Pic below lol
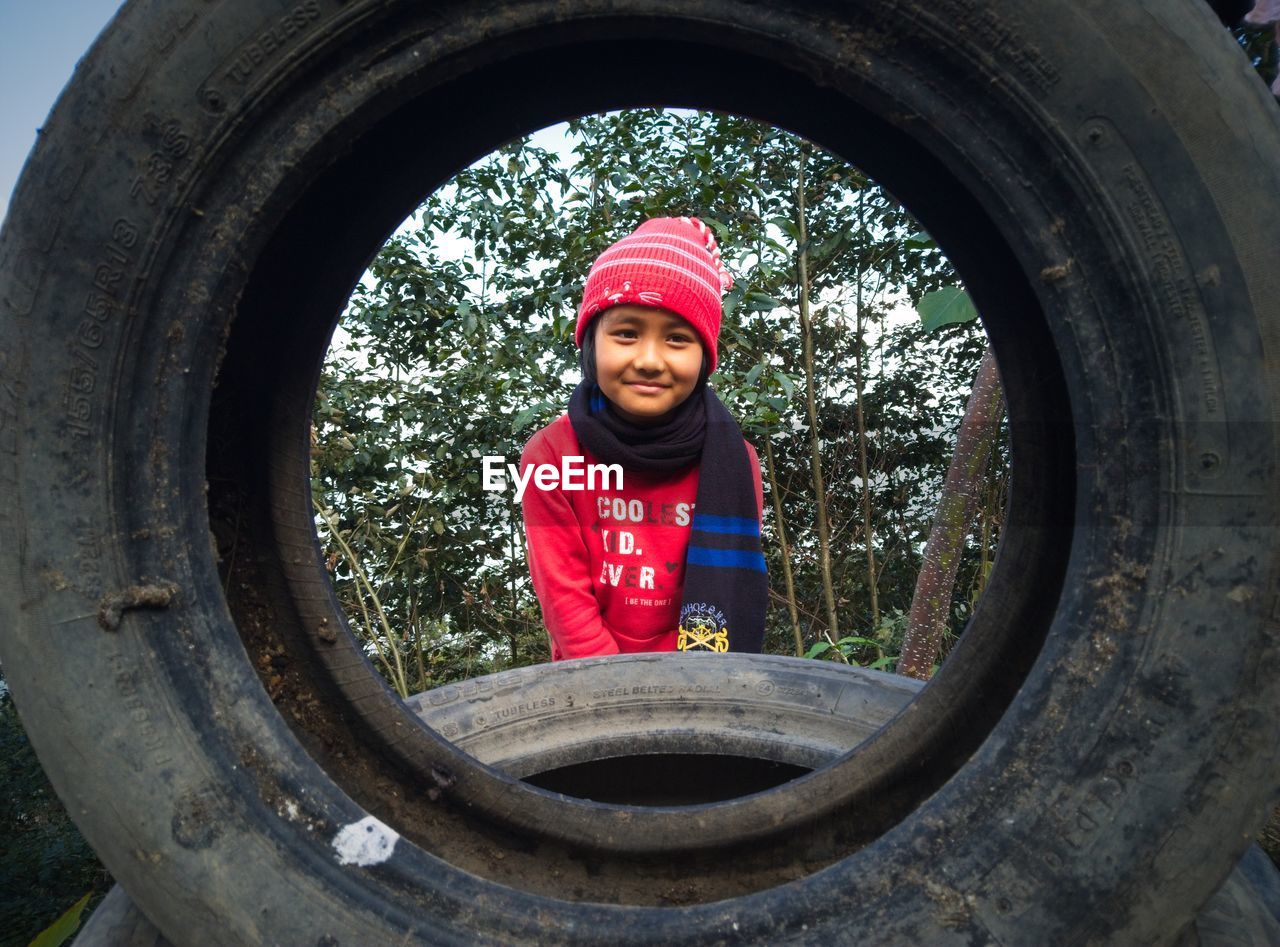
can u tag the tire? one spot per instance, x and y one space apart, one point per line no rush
800 715
1235 916
1087 766
1242 913
117 922
571 716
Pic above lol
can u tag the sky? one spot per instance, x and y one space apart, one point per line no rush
40 43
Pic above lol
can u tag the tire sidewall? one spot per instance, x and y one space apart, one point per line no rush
1136 720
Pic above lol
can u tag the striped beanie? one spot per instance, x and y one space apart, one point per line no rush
671 263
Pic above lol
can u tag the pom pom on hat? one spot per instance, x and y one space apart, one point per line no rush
671 263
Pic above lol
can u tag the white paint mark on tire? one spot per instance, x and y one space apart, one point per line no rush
364 843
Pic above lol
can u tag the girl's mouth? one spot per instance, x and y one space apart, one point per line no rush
646 388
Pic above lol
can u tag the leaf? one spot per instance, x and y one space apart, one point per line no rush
821 647
787 226
920 241
752 375
829 247
732 300
880 663
522 419
60 930
722 232
856 640
761 302
946 306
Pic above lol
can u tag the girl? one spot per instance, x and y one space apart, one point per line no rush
669 558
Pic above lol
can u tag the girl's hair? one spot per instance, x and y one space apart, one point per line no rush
587 356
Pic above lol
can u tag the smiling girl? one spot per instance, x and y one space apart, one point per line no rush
671 558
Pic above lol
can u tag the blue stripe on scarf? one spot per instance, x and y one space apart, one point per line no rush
725 558
738 525
597 401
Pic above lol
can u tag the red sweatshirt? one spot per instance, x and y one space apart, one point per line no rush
608 563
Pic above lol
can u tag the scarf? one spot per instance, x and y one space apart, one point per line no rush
726 585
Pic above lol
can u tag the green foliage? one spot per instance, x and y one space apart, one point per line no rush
459 344
60 931
44 863
879 652
950 305
847 646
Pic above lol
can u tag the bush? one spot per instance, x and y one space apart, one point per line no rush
45 865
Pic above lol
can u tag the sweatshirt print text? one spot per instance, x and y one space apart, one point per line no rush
608 564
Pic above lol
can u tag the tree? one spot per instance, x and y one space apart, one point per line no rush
961 495
45 864
458 344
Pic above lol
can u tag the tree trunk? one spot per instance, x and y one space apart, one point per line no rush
771 470
415 622
776 495
811 403
931 603
512 635
873 576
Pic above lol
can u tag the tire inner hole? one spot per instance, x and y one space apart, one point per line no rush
667 779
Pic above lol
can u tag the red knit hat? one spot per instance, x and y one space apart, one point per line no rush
671 263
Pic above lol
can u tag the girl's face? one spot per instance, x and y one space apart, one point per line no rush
647 361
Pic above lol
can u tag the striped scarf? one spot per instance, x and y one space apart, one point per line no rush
726 586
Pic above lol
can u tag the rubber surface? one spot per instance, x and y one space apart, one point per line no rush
117 922
531 720
573 713
1092 759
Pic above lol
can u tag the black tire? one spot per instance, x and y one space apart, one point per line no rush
565 726
1236 915
1091 760
1243 912
570 717
797 714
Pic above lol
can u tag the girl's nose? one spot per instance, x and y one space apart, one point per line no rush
648 357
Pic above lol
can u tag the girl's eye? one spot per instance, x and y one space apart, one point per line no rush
681 339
